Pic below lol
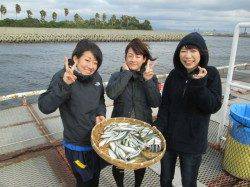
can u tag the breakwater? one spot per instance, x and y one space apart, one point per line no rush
40 35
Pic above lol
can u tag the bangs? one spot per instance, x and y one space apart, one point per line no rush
191 47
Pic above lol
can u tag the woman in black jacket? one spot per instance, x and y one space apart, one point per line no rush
192 92
134 91
78 92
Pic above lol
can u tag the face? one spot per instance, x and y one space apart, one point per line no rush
134 61
86 64
190 58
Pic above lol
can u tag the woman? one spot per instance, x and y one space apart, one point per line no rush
134 91
192 92
78 92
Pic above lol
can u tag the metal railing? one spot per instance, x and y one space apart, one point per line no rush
229 81
38 92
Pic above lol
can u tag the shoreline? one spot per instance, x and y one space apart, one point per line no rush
55 35
41 35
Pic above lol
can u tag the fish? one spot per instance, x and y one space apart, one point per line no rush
126 141
112 154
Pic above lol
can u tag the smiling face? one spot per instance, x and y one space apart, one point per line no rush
133 60
86 64
190 57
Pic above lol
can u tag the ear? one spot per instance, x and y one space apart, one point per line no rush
144 60
75 59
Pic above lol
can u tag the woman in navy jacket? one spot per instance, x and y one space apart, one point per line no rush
192 92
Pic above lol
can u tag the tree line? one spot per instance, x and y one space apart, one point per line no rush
99 21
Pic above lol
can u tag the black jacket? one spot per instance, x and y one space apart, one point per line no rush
187 103
129 90
79 104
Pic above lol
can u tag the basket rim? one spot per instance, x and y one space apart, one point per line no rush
118 162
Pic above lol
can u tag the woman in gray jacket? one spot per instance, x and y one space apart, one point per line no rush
134 90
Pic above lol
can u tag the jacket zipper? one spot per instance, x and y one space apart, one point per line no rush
184 90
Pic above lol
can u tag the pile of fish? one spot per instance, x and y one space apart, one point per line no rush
126 141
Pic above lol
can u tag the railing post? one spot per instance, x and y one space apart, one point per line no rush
224 109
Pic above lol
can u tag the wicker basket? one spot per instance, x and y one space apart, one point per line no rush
146 157
237 158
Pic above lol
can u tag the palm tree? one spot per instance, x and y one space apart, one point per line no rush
66 12
29 13
77 18
97 17
104 17
54 16
125 20
18 9
43 14
112 19
3 10
146 25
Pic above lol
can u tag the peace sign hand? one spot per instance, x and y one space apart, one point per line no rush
149 72
202 73
69 76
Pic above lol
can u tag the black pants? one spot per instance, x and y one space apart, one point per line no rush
189 164
87 173
119 176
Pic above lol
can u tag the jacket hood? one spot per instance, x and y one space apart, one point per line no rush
191 39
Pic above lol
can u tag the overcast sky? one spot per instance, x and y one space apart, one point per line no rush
221 15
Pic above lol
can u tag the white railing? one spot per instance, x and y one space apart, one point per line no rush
38 92
230 82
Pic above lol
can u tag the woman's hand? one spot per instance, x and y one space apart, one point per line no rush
149 72
69 76
202 73
99 119
125 66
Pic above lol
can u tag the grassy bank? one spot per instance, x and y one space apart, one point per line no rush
39 35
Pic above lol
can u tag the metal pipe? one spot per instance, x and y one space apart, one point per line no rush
229 78
240 85
38 92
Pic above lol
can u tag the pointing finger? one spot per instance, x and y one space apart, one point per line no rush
73 67
66 64
147 66
152 64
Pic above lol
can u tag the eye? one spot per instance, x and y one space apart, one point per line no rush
194 50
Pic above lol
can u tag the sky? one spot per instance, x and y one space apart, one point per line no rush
205 15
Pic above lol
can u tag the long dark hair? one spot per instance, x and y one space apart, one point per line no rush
140 48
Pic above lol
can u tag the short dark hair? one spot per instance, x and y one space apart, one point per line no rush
86 45
140 48
191 47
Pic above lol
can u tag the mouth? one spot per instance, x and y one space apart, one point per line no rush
88 71
189 63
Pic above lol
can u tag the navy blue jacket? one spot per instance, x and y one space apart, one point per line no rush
187 103
130 91
78 103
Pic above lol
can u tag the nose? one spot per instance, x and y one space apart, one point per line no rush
91 65
188 54
133 59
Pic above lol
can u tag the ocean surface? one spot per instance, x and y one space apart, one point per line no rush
28 67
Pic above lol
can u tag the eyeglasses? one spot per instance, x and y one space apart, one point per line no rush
132 56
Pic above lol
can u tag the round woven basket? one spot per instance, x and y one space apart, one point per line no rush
146 158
